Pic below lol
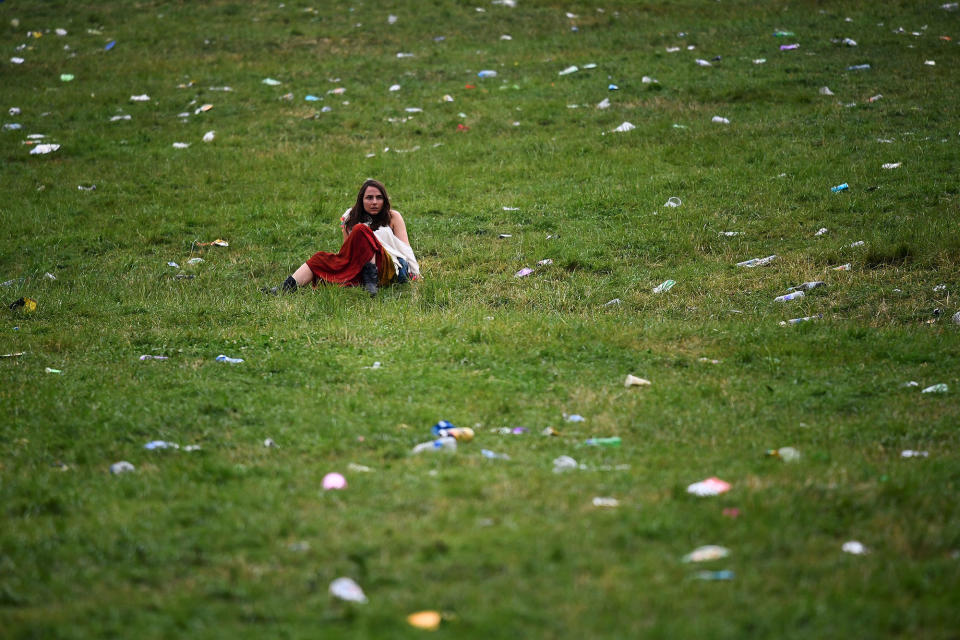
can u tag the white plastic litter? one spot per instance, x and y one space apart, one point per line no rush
703 63
181 145
140 98
347 589
626 126
209 136
569 70
821 231
606 502
223 358
633 381
937 388
565 463
757 262
854 547
43 149
672 202
271 82
604 104
910 453
825 91
122 467
719 120
707 553
891 165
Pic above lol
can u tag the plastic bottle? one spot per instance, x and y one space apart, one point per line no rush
787 454
807 286
790 296
445 428
604 442
840 187
447 444
487 73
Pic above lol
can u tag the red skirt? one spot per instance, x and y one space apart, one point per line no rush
344 267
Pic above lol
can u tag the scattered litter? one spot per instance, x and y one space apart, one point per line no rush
12 126
909 453
150 357
807 286
445 429
574 417
140 98
616 301
334 481
17 60
120 117
27 304
672 202
937 388
780 33
110 45
854 547
789 296
391 19
358 468
666 285
879 96
173 264
930 63
43 149
88 187
611 441
730 234
626 126
446 444
347 589
759 60
825 91
891 165
394 87
910 383
858 243
843 267
160 444
840 187
492 455
612 87
710 360
271 82
858 67
208 136
784 323
427 620
940 287
12 355
606 502
14 111
956 318
821 231
604 104
195 260
66 77
216 243
634 381
786 454
448 98
223 358
569 70
523 272
49 370
184 276
181 145
706 553
487 73
403 54
649 80
850 42
269 443
121 467
720 120
565 463
757 262
709 487
703 63
725 574
550 431
505 235
789 47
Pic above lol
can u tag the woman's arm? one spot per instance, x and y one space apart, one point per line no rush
397 226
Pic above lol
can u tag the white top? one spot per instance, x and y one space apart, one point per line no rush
394 246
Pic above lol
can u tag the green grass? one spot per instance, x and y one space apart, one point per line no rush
239 540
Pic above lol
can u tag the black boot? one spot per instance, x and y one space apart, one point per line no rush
368 277
289 286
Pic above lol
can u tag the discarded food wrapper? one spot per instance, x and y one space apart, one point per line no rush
334 481
666 285
66 77
209 136
358 468
604 104
223 358
720 120
807 286
858 67
785 454
271 82
523 272
216 243
121 467
427 620
610 441
855 547
487 73
195 260
858 243
347 589
27 304
575 417
20 353
821 231
759 60
937 388
710 487
547 431
956 318
43 149
612 87
492 455
545 262
160 444
730 234
757 262
569 70
710 360
633 381
843 267
909 453
707 553
269 443
49 370
173 264
623 128
149 357
825 91
140 98
673 201
930 63
616 301
606 502
891 165
789 47
702 63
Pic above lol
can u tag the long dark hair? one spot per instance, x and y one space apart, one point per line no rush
359 215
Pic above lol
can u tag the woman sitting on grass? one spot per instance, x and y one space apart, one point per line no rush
375 250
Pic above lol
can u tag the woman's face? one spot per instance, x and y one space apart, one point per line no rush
372 200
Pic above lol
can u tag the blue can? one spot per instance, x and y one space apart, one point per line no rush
840 187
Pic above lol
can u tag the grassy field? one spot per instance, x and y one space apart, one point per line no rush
236 539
